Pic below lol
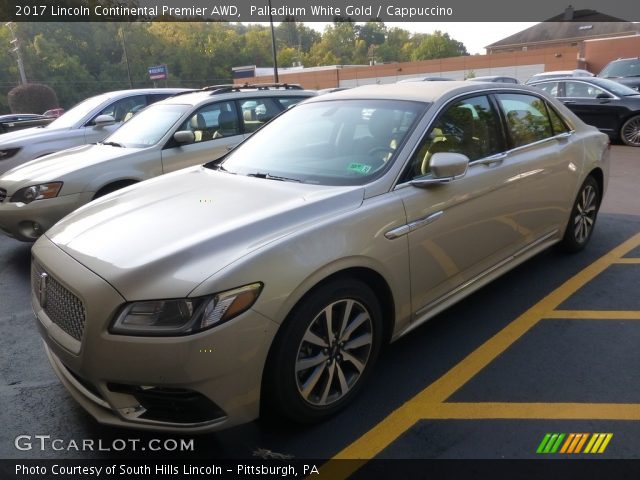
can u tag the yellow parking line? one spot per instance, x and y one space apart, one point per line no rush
384 433
631 261
532 411
594 314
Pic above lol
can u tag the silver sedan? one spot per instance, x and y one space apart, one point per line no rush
273 277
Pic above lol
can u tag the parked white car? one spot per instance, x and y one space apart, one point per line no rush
181 131
90 121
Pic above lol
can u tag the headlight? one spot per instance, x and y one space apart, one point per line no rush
8 153
37 192
184 316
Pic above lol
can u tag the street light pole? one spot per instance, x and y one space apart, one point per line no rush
273 47
16 49
126 58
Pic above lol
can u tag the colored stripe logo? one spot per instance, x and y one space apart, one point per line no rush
574 443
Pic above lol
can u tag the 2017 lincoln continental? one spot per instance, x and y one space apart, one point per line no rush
272 277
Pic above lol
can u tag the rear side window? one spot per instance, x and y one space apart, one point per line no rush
557 123
258 111
552 88
287 102
527 119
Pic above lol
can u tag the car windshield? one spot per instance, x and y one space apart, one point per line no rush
616 88
77 113
622 68
147 127
345 142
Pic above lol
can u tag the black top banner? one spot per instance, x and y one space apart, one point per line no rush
316 10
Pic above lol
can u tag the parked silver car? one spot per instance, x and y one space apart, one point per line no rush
88 122
181 131
275 275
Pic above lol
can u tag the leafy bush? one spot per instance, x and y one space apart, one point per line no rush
32 98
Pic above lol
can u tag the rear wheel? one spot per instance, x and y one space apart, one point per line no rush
325 352
630 131
583 217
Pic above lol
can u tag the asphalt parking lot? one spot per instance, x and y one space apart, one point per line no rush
541 363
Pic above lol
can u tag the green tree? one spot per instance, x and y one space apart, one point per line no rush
436 45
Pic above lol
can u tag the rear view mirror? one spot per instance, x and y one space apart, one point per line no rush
603 95
184 137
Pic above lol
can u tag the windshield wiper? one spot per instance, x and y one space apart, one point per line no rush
268 176
113 144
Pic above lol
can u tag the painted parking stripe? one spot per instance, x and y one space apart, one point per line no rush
429 403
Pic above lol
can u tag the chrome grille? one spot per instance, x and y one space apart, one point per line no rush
62 307
3 194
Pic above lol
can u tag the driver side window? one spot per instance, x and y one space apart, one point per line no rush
124 108
469 127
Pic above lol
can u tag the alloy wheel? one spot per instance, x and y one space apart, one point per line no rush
334 352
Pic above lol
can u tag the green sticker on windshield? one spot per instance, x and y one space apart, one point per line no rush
359 167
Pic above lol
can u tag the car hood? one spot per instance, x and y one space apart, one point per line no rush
631 82
18 138
57 165
163 237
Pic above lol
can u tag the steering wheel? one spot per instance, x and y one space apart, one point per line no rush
376 150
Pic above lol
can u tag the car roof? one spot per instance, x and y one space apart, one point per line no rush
418 91
233 91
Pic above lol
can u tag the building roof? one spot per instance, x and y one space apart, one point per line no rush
571 25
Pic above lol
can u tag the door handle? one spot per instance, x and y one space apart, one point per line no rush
568 102
493 160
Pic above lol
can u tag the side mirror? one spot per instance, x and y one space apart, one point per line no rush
184 137
445 167
603 95
104 120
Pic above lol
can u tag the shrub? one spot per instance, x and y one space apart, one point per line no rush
32 98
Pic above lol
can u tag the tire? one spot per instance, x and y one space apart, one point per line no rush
583 217
317 366
630 131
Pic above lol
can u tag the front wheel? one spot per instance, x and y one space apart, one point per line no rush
630 131
583 217
325 351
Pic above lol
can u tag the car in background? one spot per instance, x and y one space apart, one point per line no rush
623 70
610 106
559 74
187 129
341 225
425 79
18 121
90 121
494 78
54 112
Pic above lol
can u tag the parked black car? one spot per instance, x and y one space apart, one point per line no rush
17 121
625 71
608 105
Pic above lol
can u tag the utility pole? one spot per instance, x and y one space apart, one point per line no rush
16 49
126 58
273 47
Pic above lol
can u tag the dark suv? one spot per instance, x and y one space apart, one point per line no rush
625 71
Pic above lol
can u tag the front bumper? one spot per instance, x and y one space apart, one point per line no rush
197 383
26 222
